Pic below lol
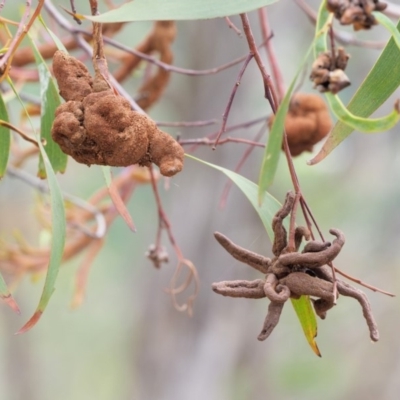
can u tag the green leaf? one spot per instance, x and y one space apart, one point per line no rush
58 229
5 139
273 149
161 10
377 87
389 25
55 38
365 125
50 101
306 315
266 211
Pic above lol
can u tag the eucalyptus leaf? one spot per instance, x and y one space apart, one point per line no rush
365 125
58 228
308 321
162 10
5 138
50 101
389 25
58 233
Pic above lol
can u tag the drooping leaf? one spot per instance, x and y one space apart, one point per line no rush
365 125
306 315
161 10
55 38
266 211
389 25
377 87
116 198
5 139
50 101
58 228
272 152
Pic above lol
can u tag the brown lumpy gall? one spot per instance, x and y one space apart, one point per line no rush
356 12
307 122
73 78
99 127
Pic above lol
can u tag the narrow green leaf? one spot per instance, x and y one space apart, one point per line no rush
5 139
324 19
50 101
55 38
272 152
306 315
266 211
161 10
377 87
58 229
389 25
365 125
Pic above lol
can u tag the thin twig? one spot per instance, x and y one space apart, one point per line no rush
208 142
21 133
240 164
242 125
233 26
20 34
267 34
73 9
360 282
231 97
42 187
188 124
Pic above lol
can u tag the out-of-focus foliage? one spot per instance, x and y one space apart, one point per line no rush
127 341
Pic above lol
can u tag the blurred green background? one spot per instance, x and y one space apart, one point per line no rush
128 342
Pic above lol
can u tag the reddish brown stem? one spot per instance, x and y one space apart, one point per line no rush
231 97
267 34
233 26
240 164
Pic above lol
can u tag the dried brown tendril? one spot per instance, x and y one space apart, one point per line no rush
96 126
327 72
158 41
307 122
291 273
356 12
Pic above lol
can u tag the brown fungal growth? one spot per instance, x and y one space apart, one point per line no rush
158 41
327 72
356 12
307 122
291 273
96 126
